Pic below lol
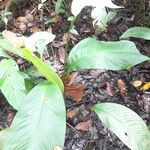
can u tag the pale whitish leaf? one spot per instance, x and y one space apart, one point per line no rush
91 53
3 134
8 46
12 82
126 124
137 32
74 31
40 122
38 41
98 4
43 1
101 17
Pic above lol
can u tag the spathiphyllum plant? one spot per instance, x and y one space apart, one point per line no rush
40 121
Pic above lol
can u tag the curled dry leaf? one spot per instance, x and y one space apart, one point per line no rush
71 114
10 118
84 126
109 89
61 55
137 83
71 78
146 86
74 91
121 87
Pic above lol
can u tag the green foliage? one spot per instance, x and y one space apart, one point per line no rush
58 5
8 46
91 53
12 82
46 70
101 19
126 124
137 32
40 121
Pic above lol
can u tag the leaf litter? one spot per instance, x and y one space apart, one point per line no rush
86 88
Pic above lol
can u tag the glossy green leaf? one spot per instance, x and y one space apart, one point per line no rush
45 69
12 82
40 122
126 124
3 54
137 32
93 54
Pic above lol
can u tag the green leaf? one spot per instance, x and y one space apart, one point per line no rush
46 70
12 82
40 122
137 32
38 41
3 54
8 46
126 124
101 18
58 5
93 54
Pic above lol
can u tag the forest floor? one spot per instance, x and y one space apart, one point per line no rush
84 130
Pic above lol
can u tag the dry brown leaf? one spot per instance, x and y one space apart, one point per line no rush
121 87
137 83
84 29
109 89
71 78
84 126
10 118
1 127
3 4
71 114
29 17
146 86
74 91
62 55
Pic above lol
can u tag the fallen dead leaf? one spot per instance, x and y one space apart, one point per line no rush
71 114
146 86
74 91
3 4
10 118
61 55
137 83
71 78
1 127
121 87
109 89
84 126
